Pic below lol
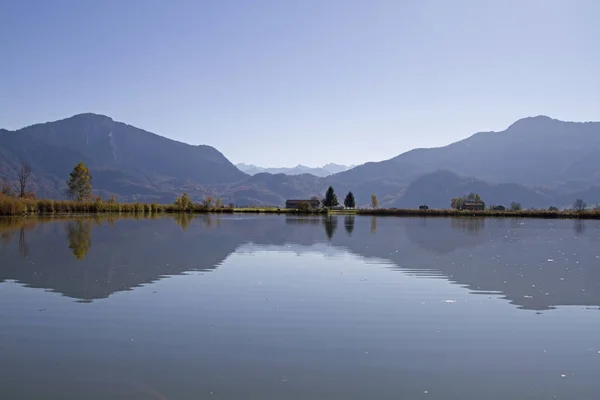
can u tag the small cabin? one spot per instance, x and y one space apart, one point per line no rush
473 205
295 204
499 208
424 207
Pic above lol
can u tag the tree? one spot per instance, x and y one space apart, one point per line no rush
473 197
219 203
579 205
79 185
553 209
457 203
374 202
24 174
208 202
514 206
183 202
330 199
349 200
304 207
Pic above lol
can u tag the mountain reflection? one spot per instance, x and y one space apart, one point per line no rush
534 264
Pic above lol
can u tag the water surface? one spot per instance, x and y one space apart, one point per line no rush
281 307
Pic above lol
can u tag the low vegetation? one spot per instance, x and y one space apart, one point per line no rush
534 213
20 202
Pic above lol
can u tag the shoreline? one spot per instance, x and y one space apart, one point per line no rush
24 207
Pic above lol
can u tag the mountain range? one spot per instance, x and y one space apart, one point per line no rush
537 161
325 170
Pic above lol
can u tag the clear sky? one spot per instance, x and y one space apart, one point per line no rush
282 82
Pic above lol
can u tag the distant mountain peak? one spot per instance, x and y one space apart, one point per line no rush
326 170
91 117
538 121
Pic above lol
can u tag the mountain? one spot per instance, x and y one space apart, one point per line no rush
535 154
123 159
325 170
537 161
438 188
274 189
532 151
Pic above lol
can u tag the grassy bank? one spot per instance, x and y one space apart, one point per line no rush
588 214
11 206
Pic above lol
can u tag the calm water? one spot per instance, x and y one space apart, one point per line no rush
300 308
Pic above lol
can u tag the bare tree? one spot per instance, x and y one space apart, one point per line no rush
579 205
24 174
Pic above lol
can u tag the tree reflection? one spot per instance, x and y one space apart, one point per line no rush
23 247
330 226
5 237
349 224
183 220
79 234
579 227
373 224
468 224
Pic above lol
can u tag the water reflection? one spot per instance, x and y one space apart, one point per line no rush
79 235
373 224
579 227
471 225
349 224
183 220
23 247
534 264
330 223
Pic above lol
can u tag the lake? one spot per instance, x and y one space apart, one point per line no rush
287 307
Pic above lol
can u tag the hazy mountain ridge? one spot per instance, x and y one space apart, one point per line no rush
532 151
120 156
536 161
325 170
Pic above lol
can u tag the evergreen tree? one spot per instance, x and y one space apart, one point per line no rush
331 199
79 185
349 200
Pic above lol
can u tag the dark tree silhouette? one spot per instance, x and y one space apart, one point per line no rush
330 199
349 200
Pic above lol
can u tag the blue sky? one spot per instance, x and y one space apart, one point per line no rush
282 82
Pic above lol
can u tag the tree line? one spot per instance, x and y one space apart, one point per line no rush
79 188
330 200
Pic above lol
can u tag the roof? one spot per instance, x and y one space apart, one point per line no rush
302 201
